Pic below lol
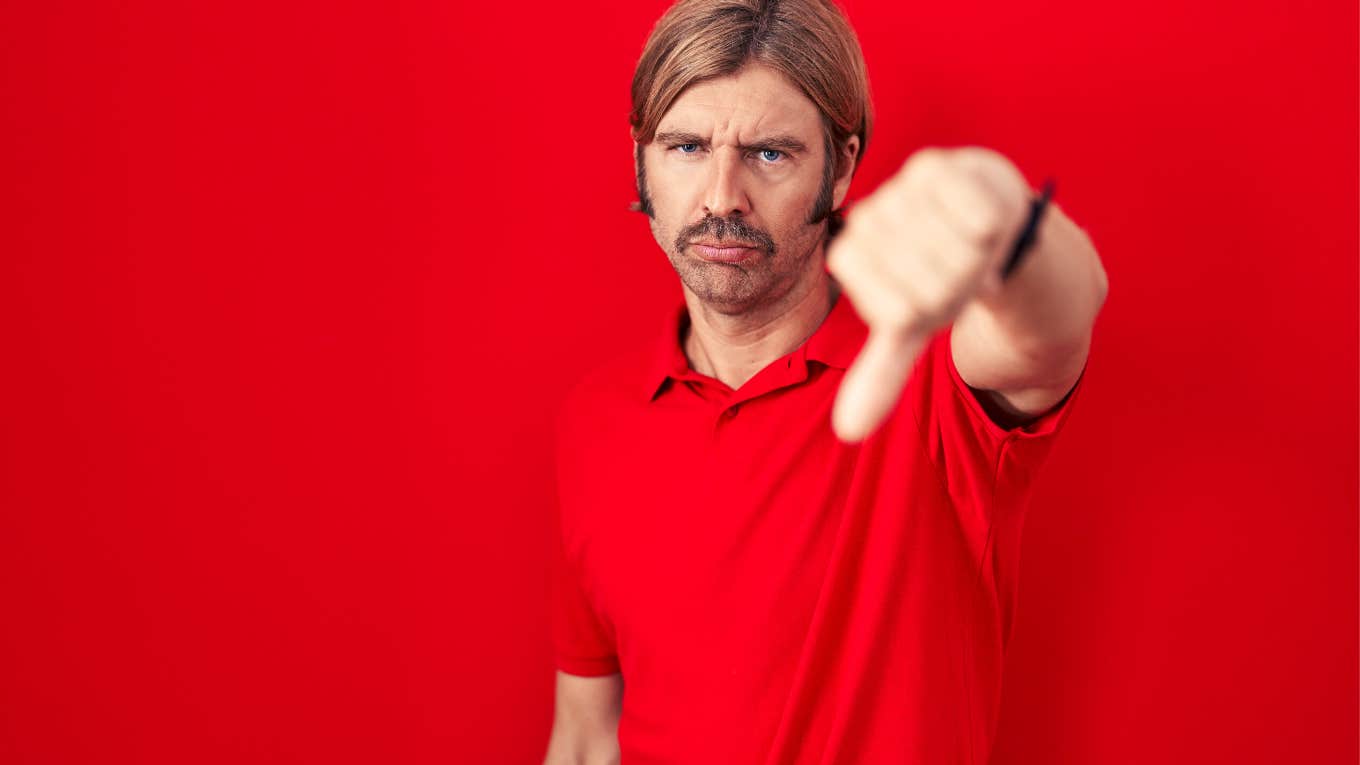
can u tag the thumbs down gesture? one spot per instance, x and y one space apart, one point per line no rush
912 255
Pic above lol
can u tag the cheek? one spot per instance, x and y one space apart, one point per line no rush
788 212
790 199
668 213
663 225
670 203
659 232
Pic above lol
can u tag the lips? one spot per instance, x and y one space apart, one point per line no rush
725 252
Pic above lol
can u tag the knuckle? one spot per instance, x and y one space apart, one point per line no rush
873 219
981 226
833 255
986 225
854 218
984 161
846 262
925 162
959 263
988 212
878 217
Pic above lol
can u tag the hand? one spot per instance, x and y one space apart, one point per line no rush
911 256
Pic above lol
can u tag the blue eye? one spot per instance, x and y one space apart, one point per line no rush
688 148
765 154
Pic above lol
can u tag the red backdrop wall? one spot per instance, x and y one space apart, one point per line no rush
287 291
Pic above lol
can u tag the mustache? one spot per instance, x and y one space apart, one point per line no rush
725 229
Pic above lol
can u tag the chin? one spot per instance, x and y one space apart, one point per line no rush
728 289
727 297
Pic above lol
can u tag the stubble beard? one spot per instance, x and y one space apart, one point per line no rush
738 288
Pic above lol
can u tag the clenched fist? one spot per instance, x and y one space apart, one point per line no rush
911 256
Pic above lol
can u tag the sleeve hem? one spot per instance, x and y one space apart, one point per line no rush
1045 424
587 667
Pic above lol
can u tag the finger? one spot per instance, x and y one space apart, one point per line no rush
933 259
873 383
993 203
878 300
970 210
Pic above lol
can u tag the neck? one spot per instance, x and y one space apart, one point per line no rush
734 347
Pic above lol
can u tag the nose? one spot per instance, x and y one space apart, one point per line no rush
726 193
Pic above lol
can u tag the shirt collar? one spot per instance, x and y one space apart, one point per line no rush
834 343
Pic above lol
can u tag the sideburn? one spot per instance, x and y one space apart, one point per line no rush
821 209
644 203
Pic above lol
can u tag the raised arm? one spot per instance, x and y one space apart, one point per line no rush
928 247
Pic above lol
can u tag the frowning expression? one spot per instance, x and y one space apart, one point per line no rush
732 178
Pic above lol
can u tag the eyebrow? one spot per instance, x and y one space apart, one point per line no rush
780 141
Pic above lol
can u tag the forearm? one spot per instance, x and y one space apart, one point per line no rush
565 751
1047 306
585 720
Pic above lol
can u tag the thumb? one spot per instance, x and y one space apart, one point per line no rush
874 382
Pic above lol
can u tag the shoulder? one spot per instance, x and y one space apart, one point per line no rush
608 385
620 372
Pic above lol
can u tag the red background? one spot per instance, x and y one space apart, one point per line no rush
287 290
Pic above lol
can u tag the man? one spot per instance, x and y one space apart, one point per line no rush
788 532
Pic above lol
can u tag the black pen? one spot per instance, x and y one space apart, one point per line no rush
1022 245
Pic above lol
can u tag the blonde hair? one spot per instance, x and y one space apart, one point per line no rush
808 41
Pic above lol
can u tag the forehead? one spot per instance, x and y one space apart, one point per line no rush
754 99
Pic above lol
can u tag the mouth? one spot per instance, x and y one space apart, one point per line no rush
725 252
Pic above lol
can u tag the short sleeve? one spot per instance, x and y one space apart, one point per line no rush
975 454
583 642
951 413
989 471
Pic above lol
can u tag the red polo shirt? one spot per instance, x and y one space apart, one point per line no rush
770 594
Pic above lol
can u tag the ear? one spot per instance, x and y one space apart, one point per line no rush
849 155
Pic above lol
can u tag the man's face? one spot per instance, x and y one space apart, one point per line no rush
732 176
